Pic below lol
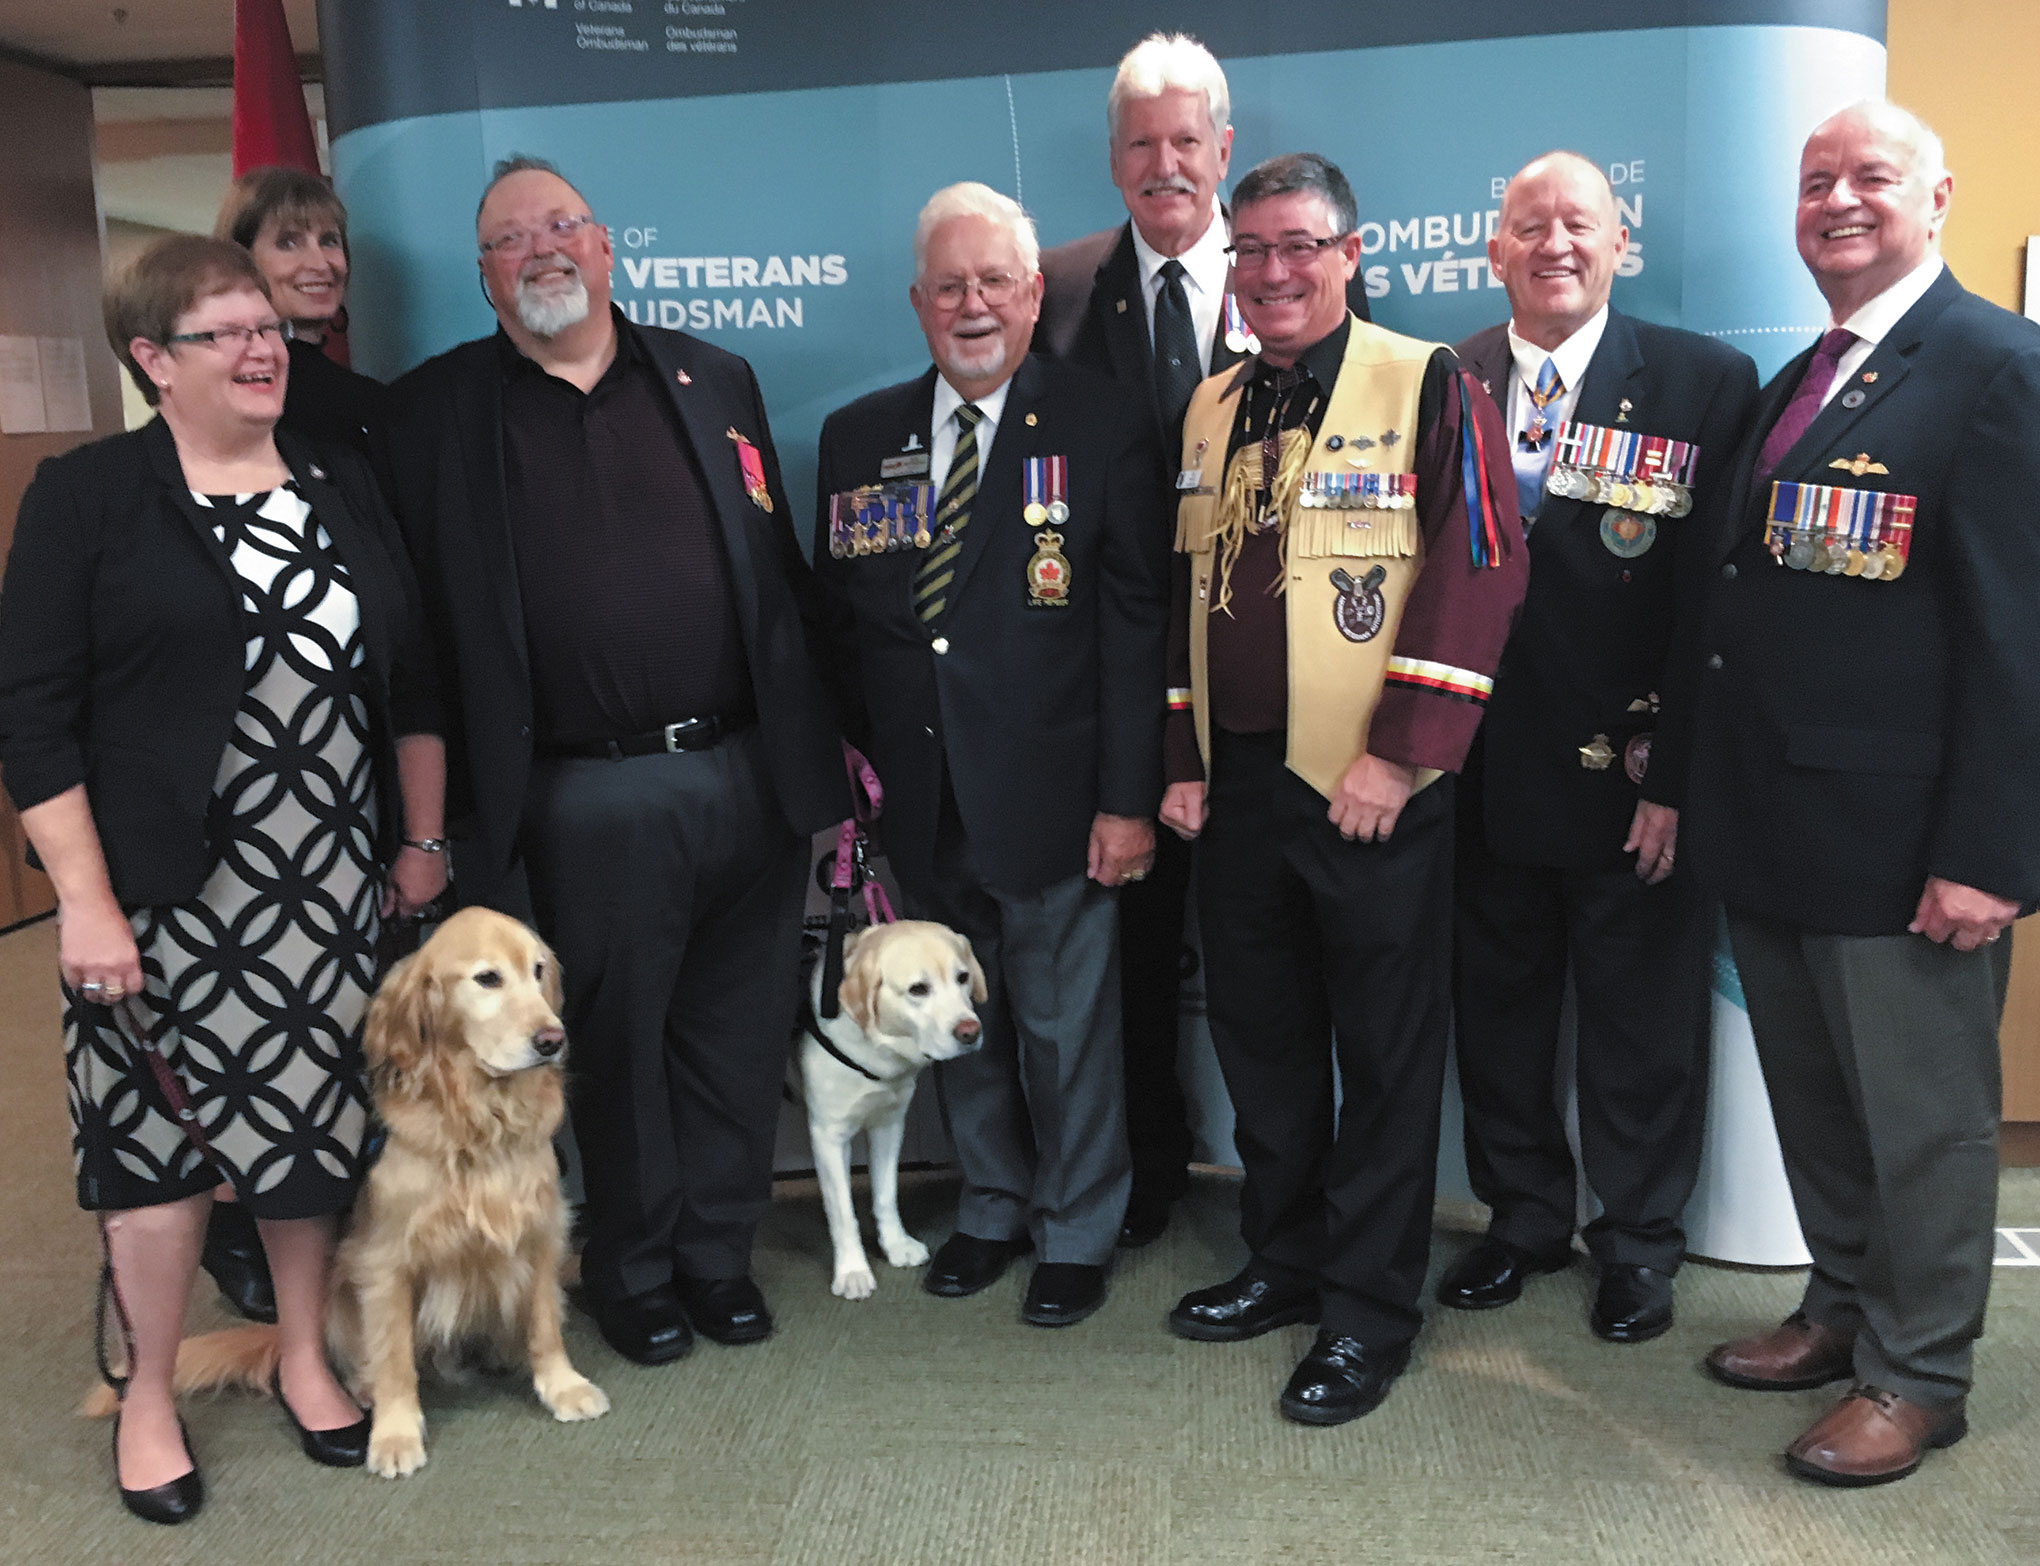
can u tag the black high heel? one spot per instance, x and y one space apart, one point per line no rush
171 1503
346 1447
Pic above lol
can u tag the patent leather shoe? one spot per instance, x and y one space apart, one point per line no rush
1254 1301
1341 1378
729 1310
233 1255
1061 1294
343 1447
1146 1220
1493 1273
1873 1437
1633 1303
649 1328
966 1264
171 1503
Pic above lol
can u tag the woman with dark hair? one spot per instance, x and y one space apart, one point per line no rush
294 226
219 722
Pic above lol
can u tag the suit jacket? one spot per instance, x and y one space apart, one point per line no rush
1597 632
122 646
1092 312
442 453
328 403
1854 737
1042 717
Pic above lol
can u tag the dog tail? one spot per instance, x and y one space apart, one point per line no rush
244 1357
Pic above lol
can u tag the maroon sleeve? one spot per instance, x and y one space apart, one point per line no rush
1459 613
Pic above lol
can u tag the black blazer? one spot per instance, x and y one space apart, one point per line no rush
329 404
122 646
1092 312
1043 717
1597 632
442 456
1853 738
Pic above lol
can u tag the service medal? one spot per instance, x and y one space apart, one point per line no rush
1048 573
1873 565
1852 564
1627 534
1044 482
1058 512
1800 555
1894 564
1035 513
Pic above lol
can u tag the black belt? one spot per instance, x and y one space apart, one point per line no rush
687 734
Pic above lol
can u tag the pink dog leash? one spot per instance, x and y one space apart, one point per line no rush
853 871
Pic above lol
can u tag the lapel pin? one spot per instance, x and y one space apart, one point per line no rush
1122 307
1032 421
1853 397
315 470
683 377
1622 410
1869 377
1488 387
1858 465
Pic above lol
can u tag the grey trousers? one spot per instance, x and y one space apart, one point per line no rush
1881 1057
1038 1111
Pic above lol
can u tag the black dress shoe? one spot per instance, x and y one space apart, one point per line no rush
966 1264
650 1328
1492 1274
1258 1300
1341 1378
1062 1293
171 1503
346 1447
729 1310
1634 1303
234 1256
1147 1216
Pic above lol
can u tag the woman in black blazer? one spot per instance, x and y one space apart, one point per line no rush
294 226
218 721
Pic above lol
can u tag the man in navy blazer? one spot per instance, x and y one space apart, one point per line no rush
1001 639
1569 802
1866 757
643 745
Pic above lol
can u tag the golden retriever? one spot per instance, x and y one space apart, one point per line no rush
457 1237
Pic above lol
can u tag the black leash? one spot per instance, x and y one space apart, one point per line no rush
812 1027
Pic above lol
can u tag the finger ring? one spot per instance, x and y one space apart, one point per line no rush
1992 936
115 991
90 987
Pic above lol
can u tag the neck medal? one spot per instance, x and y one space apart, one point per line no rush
1045 484
752 466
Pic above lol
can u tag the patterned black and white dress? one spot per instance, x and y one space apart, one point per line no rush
256 988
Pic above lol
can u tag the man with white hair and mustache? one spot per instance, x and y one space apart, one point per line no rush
644 746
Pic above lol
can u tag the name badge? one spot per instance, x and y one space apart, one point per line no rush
1190 478
908 464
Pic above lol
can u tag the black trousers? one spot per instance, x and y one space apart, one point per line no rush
1318 950
1150 982
671 889
1640 958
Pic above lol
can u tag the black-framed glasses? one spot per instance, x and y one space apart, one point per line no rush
231 337
1250 255
520 241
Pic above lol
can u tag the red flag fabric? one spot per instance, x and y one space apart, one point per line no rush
271 125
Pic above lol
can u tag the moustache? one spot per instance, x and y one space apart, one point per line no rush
1174 185
552 262
971 323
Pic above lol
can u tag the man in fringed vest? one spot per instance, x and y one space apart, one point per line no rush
1354 560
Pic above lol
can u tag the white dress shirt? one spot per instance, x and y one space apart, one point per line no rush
1874 321
1571 358
1204 274
942 437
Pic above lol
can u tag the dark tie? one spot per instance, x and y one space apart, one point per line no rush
952 515
1178 364
1806 400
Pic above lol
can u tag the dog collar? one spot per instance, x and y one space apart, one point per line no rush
812 1027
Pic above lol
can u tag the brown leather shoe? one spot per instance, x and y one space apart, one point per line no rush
1872 1437
1794 1356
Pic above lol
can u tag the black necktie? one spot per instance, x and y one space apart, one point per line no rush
1178 364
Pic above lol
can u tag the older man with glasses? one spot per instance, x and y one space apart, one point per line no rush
1349 517
643 744
991 544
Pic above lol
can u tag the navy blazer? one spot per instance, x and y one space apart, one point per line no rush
441 450
1043 717
1853 738
122 647
1597 631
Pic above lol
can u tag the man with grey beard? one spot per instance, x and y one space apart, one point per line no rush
643 744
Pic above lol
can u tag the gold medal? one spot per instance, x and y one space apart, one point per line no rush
1873 564
1035 513
1894 564
1853 564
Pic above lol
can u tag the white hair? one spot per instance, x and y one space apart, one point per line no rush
1164 62
970 199
1929 158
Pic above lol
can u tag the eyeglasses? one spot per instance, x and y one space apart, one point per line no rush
996 289
521 241
1249 256
231 338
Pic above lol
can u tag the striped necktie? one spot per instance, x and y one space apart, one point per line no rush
952 515
1532 454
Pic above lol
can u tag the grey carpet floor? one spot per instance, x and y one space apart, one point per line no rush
906 1429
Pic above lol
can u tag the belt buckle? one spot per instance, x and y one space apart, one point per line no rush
688 727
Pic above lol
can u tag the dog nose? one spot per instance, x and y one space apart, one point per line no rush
549 1042
967 1031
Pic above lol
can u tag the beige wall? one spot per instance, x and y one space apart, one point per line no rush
1968 68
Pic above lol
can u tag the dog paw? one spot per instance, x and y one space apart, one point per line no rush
576 1399
853 1283
394 1454
903 1250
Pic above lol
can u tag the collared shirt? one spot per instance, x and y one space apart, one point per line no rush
1204 274
942 437
629 616
1874 321
1570 358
